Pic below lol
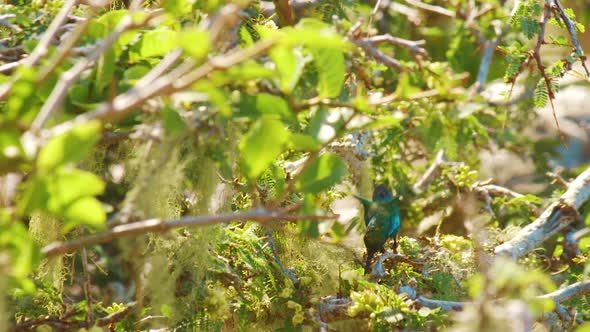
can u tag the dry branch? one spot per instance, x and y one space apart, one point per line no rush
555 218
176 80
431 8
65 323
572 31
68 78
160 226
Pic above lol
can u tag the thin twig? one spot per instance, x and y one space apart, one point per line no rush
42 48
355 36
87 295
431 172
160 226
65 323
412 45
549 4
572 31
431 8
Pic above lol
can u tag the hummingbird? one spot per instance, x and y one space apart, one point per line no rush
382 220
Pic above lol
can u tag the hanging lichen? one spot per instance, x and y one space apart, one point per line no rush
45 229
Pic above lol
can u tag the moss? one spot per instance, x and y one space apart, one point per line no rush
45 229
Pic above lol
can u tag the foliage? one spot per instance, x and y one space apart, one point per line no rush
179 164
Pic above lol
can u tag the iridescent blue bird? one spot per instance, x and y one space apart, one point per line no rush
382 220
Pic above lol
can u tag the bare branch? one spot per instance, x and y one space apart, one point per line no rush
572 31
42 48
555 218
413 46
431 172
86 287
71 76
65 323
355 36
160 226
284 12
170 83
572 291
431 8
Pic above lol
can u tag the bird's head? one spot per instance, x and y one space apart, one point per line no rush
382 194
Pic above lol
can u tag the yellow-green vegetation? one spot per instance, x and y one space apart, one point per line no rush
193 165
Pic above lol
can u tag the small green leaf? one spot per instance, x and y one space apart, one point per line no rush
70 147
178 7
261 145
34 196
383 122
153 44
194 42
268 104
85 211
309 227
173 123
331 69
404 87
322 174
105 70
69 185
245 36
287 67
302 142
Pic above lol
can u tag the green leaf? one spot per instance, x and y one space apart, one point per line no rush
70 147
154 44
194 42
313 33
261 145
302 142
105 70
69 185
583 328
309 227
34 197
322 174
383 122
331 69
268 104
287 66
178 7
404 87
85 211
173 123
245 36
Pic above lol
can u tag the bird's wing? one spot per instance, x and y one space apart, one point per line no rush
367 207
395 222
366 203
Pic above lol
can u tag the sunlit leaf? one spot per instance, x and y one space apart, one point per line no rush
194 42
331 69
173 123
85 211
70 147
322 173
261 145
69 185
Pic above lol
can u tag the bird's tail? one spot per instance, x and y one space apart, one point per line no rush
368 262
